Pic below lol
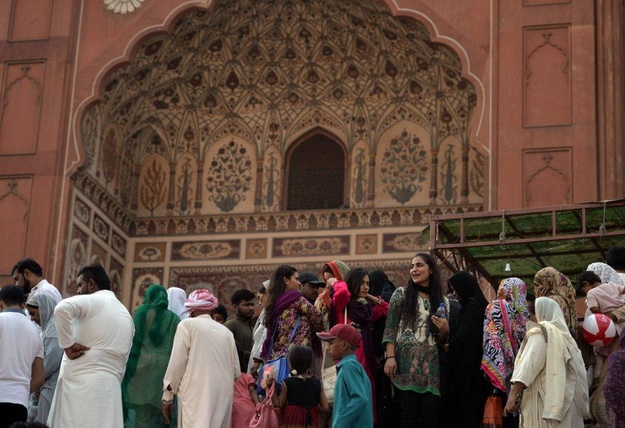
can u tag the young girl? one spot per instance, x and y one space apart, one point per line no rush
245 400
301 397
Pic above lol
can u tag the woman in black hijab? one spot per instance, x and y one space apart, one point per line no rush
466 389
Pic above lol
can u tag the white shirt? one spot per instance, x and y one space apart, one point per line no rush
202 369
45 287
88 391
20 344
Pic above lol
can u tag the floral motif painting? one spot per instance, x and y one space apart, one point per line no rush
404 167
317 246
229 176
185 185
206 250
153 190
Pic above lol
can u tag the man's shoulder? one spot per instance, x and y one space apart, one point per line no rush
20 321
237 324
45 287
350 363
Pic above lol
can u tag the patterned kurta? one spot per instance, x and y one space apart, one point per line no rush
310 323
416 353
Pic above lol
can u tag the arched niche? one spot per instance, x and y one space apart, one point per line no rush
316 176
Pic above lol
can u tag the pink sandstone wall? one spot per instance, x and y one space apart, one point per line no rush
532 62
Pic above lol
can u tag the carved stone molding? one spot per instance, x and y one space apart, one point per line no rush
548 169
547 89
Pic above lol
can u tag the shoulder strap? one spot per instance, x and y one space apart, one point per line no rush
275 330
295 329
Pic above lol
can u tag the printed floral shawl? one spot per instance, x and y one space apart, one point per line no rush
499 352
548 282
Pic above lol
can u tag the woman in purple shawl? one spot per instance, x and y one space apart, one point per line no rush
285 306
614 389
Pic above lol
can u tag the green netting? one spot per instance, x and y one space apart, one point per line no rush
567 248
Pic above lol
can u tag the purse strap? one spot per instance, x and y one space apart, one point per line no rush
506 324
275 330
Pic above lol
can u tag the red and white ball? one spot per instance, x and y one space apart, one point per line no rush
598 330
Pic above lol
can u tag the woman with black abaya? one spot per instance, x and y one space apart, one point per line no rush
466 388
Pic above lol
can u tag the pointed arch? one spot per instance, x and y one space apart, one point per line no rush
316 172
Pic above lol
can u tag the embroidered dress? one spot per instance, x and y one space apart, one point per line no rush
302 408
310 323
416 353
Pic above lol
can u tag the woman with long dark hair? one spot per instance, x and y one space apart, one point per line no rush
287 314
466 389
412 343
352 298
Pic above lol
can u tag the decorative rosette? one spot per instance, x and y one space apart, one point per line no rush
123 6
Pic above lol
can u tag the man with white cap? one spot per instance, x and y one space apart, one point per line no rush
202 368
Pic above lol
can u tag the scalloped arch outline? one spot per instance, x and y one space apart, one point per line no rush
206 5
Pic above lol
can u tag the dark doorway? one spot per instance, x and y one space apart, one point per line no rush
316 174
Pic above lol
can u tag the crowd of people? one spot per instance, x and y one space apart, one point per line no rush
427 354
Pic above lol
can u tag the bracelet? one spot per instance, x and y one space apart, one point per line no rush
391 356
168 401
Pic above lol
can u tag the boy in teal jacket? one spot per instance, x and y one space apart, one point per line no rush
353 403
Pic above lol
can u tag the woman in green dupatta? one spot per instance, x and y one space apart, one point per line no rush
155 327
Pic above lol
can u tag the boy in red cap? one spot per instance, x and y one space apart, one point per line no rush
353 404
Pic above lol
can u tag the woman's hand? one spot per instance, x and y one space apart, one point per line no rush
373 299
443 326
330 283
390 367
512 405
254 368
269 380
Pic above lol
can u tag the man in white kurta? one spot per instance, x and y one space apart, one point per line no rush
28 274
96 331
202 368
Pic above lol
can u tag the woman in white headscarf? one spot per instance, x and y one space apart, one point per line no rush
606 273
176 298
550 370
41 306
